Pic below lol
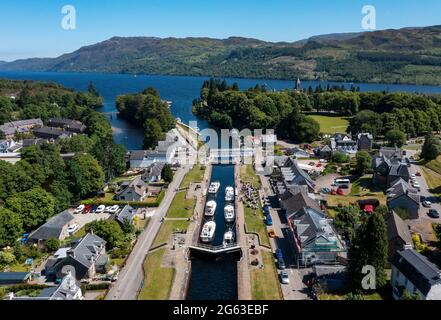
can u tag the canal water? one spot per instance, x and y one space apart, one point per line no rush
215 277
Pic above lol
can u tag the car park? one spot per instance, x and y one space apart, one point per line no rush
433 214
284 277
80 208
73 228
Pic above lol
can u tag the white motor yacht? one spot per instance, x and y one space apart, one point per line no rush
214 187
229 194
229 214
208 231
210 208
228 238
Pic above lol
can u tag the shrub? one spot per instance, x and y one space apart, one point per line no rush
52 245
339 158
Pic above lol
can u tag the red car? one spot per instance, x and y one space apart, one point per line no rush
87 209
340 192
418 174
319 165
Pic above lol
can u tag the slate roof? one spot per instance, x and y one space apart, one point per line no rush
391 153
88 249
67 124
396 227
138 186
126 213
294 175
52 132
67 289
137 155
295 202
312 225
154 170
400 188
53 227
10 128
417 269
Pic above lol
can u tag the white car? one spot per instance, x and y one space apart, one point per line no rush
416 185
108 209
114 209
73 228
413 177
323 161
80 208
100 209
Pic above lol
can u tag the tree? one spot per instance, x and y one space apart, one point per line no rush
111 157
152 133
52 244
86 176
396 138
340 157
167 173
34 207
364 162
6 258
369 247
11 227
346 221
108 230
127 227
431 148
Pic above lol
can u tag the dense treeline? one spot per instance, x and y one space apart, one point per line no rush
256 108
147 109
376 112
42 183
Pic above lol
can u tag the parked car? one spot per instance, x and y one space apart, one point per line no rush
108 209
100 209
284 277
87 209
427 204
272 234
73 228
114 209
340 192
280 260
415 184
325 190
418 174
433 214
266 210
319 165
268 220
323 161
80 208
412 176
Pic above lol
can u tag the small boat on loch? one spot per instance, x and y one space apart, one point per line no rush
229 194
214 187
229 214
228 238
208 231
210 208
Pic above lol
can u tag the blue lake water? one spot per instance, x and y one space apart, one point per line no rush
180 90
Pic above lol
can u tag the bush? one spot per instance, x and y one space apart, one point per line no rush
6 258
52 245
339 158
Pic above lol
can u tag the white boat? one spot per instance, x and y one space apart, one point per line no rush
208 231
229 213
228 238
210 208
214 187
229 194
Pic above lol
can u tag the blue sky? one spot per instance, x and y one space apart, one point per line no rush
32 28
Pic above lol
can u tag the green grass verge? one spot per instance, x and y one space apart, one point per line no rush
255 223
196 175
332 124
433 180
157 281
435 165
181 207
167 228
248 174
265 283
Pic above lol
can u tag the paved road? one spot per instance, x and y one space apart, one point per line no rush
296 289
131 276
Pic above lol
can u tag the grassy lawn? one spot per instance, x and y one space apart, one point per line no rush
141 224
157 281
167 228
332 124
181 207
195 175
373 296
255 223
435 165
117 262
248 174
433 180
265 283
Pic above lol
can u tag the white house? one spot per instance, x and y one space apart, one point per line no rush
413 272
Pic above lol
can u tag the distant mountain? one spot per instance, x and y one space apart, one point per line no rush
409 55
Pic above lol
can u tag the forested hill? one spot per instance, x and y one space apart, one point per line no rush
410 55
